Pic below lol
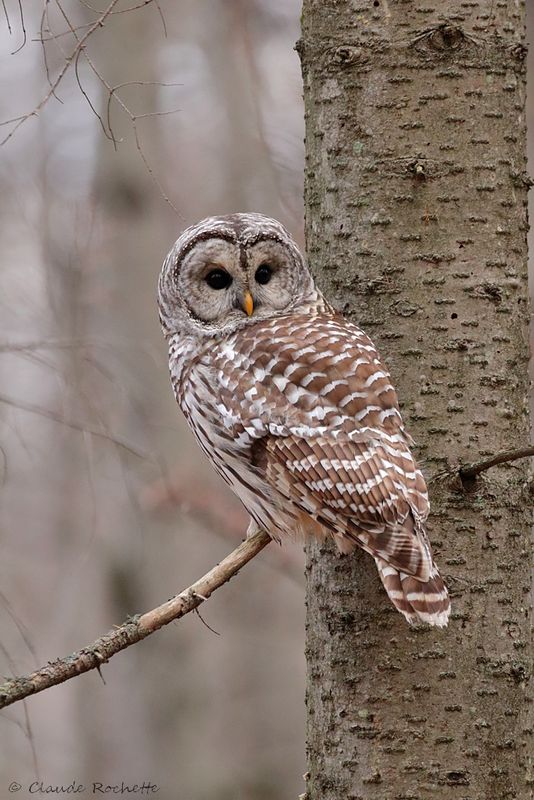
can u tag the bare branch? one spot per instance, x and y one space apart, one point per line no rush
64 69
470 471
73 59
44 19
52 37
108 135
83 26
77 426
55 344
135 629
23 631
150 171
23 27
162 17
6 15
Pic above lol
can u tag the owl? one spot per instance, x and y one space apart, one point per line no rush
292 405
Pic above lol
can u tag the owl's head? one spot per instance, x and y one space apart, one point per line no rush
227 272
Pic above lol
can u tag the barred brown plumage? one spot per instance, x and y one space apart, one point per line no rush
293 406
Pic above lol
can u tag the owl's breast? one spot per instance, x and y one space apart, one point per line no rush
183 352
214 402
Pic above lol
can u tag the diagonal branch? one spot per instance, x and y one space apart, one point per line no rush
134 629
470 471
77 426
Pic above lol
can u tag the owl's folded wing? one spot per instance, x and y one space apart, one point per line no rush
360 490
316 406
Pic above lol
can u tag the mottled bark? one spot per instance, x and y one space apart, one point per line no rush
416 228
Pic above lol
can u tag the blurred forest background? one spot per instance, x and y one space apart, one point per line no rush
107 506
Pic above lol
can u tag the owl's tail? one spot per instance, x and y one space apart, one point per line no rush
419 602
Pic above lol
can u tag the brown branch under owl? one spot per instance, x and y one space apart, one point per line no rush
134 629
141 626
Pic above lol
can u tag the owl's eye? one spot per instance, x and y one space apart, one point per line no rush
218 279
264 274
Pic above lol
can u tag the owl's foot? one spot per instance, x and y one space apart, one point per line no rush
253 528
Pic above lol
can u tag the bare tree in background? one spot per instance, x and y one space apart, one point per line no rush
416 224
83 230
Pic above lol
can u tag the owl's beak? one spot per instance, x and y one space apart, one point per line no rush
248 303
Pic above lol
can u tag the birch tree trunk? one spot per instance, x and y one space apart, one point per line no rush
416 201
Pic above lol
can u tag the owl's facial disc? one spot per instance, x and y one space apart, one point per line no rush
272 276
227 272
211 281
222 280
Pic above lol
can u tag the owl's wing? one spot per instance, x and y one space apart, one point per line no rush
326 432
355 489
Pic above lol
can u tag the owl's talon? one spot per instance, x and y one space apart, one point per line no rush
253 529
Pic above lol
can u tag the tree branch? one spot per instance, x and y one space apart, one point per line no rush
141 626
77 426
470 471
134 629
18 121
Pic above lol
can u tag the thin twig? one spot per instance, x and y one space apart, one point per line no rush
90 103
23 27
83 26
162 18
45 20
113 95
6 15
77 426
54 344
41 38
470 471
151 172
77 71
133 630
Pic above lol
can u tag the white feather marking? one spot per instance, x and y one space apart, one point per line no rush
389 412
321 485
375 377
280 381
364 412
387 388
291 368
228 350
294 393
388 571
299 353
429 597
332 385
352 396
321 354
310 376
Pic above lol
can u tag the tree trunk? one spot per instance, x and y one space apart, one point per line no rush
416 201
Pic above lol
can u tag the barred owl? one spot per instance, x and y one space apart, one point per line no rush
292 405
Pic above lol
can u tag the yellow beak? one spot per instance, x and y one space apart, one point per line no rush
248 303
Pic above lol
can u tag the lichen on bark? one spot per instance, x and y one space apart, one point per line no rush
416 197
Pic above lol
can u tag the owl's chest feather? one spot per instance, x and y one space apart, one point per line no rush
205 386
